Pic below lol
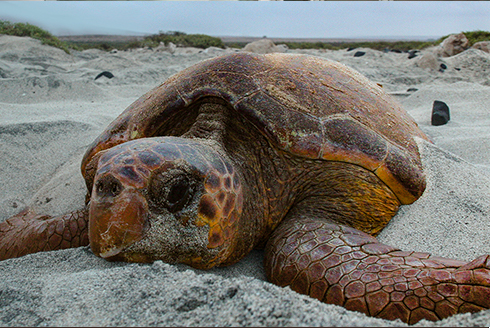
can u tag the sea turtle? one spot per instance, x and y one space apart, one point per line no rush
294 153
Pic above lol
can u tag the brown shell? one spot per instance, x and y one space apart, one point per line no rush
309 106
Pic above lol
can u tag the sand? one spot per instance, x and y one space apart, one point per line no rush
51 109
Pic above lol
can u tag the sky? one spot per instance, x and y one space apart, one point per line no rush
294 19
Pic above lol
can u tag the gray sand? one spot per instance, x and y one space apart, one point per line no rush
54 109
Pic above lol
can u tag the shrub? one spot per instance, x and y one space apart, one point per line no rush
184 40
26 29
377 45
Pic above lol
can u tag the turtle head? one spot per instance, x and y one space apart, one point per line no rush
171 199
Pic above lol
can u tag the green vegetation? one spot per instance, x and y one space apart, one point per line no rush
472 36
204 41
185 40
180 39
104 45
377 45
26 29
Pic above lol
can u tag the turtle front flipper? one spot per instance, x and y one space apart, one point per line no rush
27 233
341 265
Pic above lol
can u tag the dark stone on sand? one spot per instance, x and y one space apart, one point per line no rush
440 113
359 53
350 49
396 51
106 74
443 66
412 89
412 54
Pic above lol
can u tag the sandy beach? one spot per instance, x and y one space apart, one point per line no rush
52 108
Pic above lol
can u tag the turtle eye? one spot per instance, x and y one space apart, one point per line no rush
178 195
170 191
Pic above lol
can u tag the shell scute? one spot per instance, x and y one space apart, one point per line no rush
403 173
347 138
229 78
291 130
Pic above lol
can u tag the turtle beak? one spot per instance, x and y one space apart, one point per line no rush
116 223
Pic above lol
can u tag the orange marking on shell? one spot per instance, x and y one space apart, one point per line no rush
331 153
395 185
307 145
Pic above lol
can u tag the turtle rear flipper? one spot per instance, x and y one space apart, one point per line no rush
27 233
344 266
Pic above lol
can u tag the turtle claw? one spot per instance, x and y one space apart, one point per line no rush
27 233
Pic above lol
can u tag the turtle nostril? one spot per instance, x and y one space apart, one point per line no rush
108 186
115 189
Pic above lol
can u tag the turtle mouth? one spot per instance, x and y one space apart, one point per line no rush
111 252
116 224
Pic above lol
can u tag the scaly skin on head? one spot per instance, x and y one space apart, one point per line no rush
172 199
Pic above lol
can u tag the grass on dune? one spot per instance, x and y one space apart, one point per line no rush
33 31
204 41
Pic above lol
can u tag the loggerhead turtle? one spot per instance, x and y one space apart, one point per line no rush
297 154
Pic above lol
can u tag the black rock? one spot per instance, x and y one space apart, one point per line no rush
396 51
440 113
106 74
359 53
412 54
442 68
350 49
412 89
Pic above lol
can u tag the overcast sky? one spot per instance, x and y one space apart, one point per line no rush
315 19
